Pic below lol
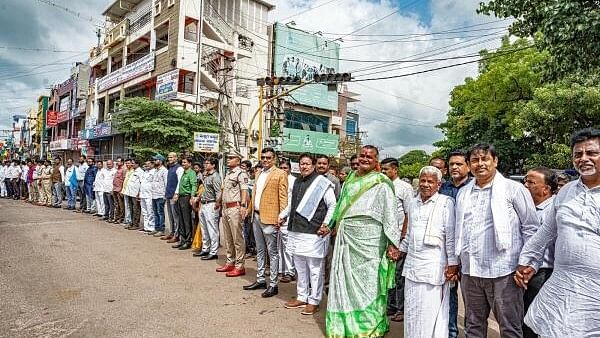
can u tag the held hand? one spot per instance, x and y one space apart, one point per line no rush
334 232
452 273
175 197
323 231
523 275
217 205
393 253
243 213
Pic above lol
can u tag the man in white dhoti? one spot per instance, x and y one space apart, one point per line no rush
431 265
310 210
568 305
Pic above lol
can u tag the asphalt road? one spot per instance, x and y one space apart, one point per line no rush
64 274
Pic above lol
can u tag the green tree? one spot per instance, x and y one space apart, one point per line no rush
482 110
158 127
411 163
570 29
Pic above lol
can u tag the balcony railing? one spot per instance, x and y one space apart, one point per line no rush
215 20
140 23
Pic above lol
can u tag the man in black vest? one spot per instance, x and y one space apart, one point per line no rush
311 209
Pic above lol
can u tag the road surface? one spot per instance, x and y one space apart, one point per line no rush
64 274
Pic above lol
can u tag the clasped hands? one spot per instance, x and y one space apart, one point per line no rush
523 275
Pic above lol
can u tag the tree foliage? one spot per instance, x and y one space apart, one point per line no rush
411 163
570 29
510 105
158 127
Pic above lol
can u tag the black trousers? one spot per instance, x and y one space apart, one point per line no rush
135 208
9 187
396 295
185 224
109 205
533 287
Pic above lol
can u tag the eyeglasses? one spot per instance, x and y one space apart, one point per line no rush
266 157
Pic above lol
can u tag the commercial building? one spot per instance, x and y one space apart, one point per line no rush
151 49
66 114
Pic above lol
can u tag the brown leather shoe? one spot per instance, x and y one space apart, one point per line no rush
166 237
286 279
225 268
294 304
310 310
236 272
172 240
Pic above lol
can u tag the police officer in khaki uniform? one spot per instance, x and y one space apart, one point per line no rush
234 203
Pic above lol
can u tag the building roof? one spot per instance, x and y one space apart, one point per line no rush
119 8
269 3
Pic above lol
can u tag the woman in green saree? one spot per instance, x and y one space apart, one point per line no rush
366 244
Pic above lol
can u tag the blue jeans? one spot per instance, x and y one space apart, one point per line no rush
71 196
57 194
127 211
158 207
452 320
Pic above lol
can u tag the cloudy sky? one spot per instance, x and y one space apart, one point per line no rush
39 42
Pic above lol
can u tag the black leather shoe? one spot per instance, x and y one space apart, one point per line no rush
186 246
177 246
255 286
200 254
209 257
271 291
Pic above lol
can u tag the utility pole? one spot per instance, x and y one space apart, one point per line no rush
199 61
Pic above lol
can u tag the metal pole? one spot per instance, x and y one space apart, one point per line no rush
260 108
199 61
260 121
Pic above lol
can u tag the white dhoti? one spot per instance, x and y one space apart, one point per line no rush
99 202
426 310
309 253
147 213
286 262
2 188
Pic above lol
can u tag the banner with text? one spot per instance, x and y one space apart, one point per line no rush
130 71
305 141
166 85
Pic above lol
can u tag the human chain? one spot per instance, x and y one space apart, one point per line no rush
378 248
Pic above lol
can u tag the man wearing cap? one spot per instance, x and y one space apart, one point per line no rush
234 200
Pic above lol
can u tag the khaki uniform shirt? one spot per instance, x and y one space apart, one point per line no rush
235 181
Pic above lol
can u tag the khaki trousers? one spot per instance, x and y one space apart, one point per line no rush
46 193
234 240
33 191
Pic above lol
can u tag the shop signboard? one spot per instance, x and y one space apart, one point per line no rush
166 85
63 144
298 53
103 129
305 141
206 142
65 87
51 118
130 71
62 116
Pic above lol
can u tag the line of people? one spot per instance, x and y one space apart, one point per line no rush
377 248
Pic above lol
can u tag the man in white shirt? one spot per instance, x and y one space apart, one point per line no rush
431 263
23 180
98 188
70 183
404 194
146 178
286 263
15 179
80 172
159 186
541 184
495 216
308 214
132 192
568 305
3 191
108 176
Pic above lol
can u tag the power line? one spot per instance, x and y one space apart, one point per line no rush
76 14
437 68
401 97
40 49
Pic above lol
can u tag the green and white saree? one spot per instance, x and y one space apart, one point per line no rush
361 273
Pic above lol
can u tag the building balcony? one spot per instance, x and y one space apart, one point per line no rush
117 34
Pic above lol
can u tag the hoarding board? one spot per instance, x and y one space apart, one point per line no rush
305 141
51 118
166 85
130 71
206 142
297 53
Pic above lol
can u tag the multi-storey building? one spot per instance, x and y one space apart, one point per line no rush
68 102
201 58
